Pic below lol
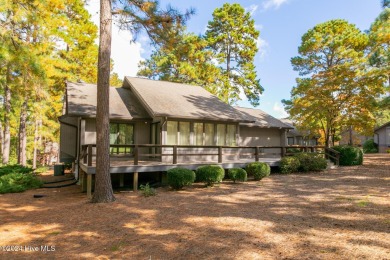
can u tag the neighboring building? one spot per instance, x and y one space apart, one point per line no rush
357 139
266 130
295 137
145 111
382 137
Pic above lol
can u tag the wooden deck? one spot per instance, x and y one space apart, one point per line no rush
160 158
128 166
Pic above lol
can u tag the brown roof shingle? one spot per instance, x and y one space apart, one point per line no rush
262 119
185 101
81 101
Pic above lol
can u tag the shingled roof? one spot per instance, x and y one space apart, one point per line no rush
262 119
81 101
175 100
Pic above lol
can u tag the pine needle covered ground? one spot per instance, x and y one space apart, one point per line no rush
338 214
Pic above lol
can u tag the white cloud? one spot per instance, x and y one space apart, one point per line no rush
273 4
281 113
262 45
125 55
252 9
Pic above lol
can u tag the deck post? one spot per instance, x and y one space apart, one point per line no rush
257 153
121 180
284 149
219 154
89 155
136 155
84 150
174 154
135 181
89 186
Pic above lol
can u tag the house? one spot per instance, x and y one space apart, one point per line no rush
351 137
158 125
295 137
382 137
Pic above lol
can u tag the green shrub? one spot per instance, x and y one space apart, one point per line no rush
180 177
18 182
259 170
293 150
349 155
289 164
237 174
388 151
210 174
311 162
370 147
14 169
147 191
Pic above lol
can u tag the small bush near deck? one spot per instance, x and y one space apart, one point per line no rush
289 164
210 174
293 150
388 151
311 162
349 155
147 191
259 170
237 174
180 177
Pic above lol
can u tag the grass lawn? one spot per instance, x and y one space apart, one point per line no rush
337 214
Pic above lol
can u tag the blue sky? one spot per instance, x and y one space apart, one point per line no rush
281 23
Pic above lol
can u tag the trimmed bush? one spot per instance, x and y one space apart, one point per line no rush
370 147
210 174
311 162
259 170
237 174
349 155
289 164
180 177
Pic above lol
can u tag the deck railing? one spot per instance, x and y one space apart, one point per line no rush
155 151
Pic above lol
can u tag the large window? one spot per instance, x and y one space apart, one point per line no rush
184 128
179 133
221 134
198 133
209 134
290 140
121 134
172 132
231 135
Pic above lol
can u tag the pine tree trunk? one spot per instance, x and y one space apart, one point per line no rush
1 138
7 112
36 139
22 157
103 187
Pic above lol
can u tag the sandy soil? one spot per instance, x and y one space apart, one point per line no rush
337 214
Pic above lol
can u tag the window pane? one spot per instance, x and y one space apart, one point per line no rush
171 132
231 135
290 140
113 133
184 133
221 134
209 134
198 133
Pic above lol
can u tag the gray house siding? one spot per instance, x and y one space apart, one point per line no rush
256 136
382 137
68 139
